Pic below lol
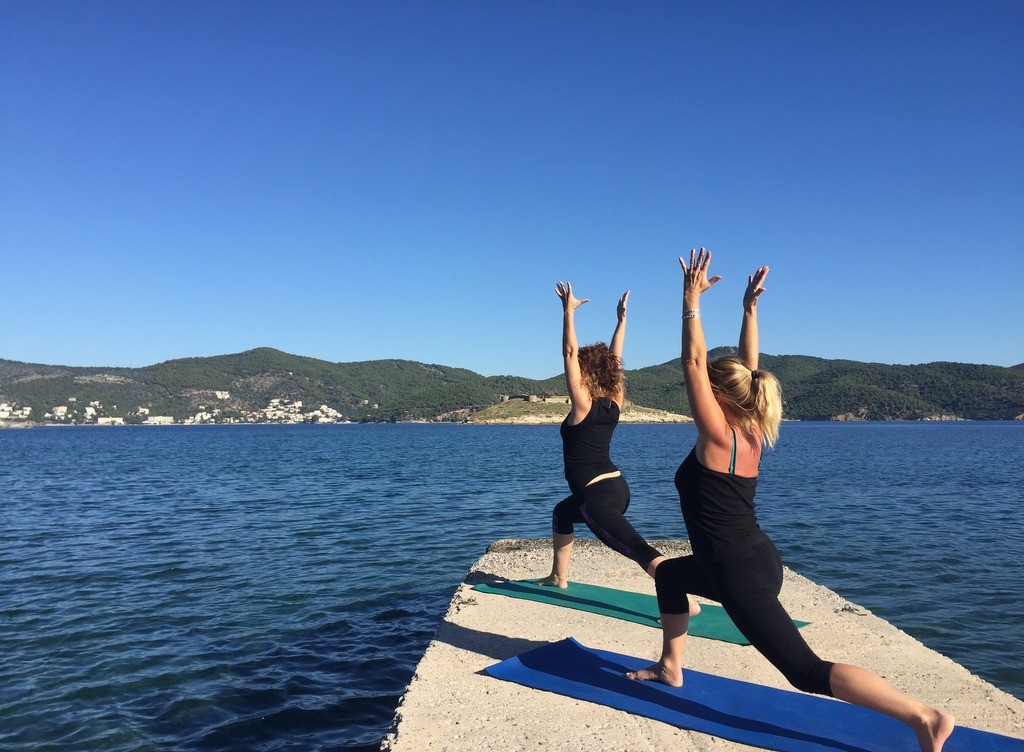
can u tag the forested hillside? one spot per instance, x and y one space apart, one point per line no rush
253 386
819 389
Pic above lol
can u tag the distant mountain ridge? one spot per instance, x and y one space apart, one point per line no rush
233 388
820 389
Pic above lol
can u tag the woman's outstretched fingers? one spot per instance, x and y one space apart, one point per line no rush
695 275
755 286
564 291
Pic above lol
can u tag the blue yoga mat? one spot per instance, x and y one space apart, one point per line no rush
729 709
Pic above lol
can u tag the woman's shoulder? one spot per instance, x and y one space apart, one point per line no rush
718 436
736 445
603 406
608 404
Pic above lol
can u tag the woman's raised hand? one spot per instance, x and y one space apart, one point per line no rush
755 287
620 310
569 303
695 276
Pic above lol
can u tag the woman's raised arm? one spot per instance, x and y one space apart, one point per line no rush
748 328
619 335
578 393
707 413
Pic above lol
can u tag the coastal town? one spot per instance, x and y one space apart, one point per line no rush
511 409
95 413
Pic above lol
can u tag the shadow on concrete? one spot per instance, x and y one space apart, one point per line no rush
492 645
476 576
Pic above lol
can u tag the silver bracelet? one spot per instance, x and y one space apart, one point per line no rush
691 313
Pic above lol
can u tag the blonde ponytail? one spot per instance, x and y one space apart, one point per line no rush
755 396
767 404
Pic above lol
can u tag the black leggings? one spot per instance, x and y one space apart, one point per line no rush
601 506
747 586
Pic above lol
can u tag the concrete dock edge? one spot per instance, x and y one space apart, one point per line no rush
451 706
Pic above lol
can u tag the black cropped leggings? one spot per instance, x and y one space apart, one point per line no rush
747 586
601 507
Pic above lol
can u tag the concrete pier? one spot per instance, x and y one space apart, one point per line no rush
451 706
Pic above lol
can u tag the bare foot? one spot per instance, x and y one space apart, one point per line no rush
658 672
552 580
937 727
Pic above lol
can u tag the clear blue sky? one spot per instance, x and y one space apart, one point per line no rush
363 180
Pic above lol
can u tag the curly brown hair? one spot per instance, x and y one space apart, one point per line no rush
601 370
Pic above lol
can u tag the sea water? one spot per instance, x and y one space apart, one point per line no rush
273 587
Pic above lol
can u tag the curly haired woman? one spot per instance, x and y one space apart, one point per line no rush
600 496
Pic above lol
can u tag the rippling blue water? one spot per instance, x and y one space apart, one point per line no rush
273 587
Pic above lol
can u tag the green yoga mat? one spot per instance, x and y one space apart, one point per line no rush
712 622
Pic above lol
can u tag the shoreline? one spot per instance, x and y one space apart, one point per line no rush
684 420
450 704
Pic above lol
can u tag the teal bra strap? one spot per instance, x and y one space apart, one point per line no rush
732 457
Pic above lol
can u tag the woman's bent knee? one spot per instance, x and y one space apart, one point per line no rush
672 598
813 678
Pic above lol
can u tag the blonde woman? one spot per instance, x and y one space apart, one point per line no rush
737 409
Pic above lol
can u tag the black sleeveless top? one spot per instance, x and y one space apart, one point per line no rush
718 509
585 446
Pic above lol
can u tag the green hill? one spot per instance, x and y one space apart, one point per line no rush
819 389
241 387
381 390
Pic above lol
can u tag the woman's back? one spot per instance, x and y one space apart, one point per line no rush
586 445
718 509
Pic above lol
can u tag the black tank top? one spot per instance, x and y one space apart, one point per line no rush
585 446
718 509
